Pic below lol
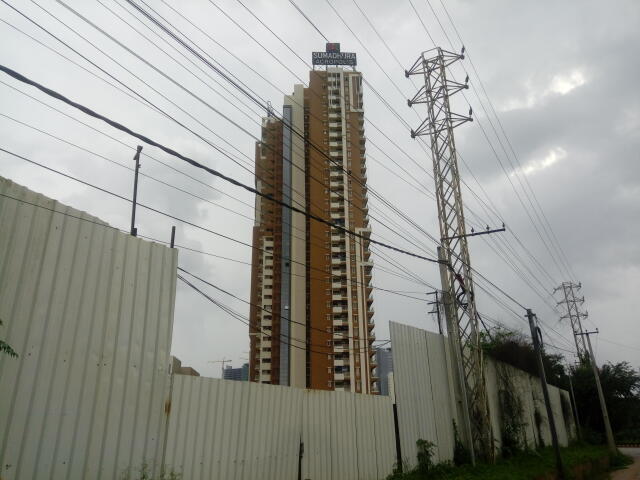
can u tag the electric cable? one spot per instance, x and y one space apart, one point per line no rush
270 312
194 163
157 180
137 56
246 321
355 282
516 173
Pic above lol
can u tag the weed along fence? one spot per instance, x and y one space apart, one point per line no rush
428 409
90 311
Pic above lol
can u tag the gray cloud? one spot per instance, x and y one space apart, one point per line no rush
591 195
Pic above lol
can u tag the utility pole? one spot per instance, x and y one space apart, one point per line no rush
173 237
136 157
603 406
573 303
462 399
436 308
535 335
457 283
585 351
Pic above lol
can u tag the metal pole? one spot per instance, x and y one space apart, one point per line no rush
134 230
397 434
438 312
545 392
456 358
575 409
173 236
605 415
437 309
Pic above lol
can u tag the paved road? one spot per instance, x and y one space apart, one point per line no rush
632 472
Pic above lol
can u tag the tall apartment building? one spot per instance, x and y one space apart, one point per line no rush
312 314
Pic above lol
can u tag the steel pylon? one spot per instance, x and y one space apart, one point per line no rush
457 276
574 314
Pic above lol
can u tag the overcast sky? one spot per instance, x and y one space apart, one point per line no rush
562 77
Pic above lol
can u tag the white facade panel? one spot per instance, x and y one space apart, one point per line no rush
89 311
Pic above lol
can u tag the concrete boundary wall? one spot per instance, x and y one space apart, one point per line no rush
426 402
89 310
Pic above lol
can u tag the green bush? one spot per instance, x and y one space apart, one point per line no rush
527 465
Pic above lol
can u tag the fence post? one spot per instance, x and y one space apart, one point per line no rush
397 431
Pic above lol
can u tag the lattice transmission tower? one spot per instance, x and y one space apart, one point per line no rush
462 316
573 303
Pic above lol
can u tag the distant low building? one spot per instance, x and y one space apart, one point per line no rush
241 374
385 367
178 369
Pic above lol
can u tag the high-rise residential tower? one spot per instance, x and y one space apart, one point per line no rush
312 315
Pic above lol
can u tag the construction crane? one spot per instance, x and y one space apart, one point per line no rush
223 361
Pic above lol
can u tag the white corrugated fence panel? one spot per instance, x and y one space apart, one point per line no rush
347 435
242 430
90 311
233 430
423 394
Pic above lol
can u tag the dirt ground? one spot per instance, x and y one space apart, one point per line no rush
632 472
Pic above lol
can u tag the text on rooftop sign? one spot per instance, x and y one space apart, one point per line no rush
333 56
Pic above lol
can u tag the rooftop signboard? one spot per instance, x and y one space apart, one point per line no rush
333 56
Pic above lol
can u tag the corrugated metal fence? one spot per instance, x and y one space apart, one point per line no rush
90 311
426 400
241 430
424 391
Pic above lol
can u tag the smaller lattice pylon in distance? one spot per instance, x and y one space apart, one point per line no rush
573 303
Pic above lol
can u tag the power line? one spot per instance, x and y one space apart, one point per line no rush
247 321
398 62
515 170
144 154
308 20
151 104
301 135
128 168
429 235
162 27
196 164
259 307
495 211
355 282
152 178
236 85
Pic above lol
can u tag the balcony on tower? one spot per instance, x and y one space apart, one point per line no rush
339 306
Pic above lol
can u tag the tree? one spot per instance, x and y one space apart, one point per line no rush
516 349
6 348
621 388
